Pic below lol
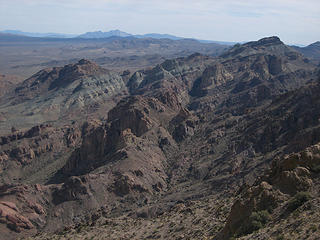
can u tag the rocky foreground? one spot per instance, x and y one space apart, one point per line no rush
194 148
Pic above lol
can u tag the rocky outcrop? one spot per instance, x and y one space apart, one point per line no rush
128 115
261 197
293 173
135 81
71 190
22 209
32 132
183 125
22 153
123 185
9 214
32 144
91 152
287 177
212 77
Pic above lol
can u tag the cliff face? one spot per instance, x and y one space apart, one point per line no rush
189 131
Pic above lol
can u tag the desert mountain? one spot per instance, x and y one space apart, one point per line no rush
118 33
166 158
100 34
158 36
45 35
270 45
104 35
60 93
312 51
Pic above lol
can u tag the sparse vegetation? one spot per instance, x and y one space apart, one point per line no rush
256 221
313 228
316 168
280 237
298 200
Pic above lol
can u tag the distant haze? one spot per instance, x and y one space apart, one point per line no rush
294 21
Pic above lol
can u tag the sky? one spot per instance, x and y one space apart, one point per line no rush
294 21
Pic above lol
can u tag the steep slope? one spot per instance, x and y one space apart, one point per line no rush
189 133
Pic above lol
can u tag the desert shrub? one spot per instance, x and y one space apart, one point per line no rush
280 237
313 228
298 200
315 168
256 221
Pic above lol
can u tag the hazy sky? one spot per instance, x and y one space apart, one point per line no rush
294 21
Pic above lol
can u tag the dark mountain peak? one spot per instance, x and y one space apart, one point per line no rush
57 77
264 43
73 72
85 61
266 46
83 67
86 67
274 40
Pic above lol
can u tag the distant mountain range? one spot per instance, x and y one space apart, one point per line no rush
29 34
100 34
311 51
112 33
118 33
